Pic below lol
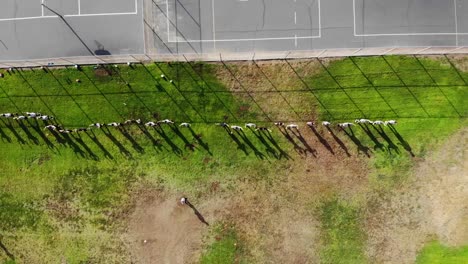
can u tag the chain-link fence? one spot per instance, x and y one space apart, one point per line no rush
238 56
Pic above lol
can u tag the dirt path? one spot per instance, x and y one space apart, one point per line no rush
164 231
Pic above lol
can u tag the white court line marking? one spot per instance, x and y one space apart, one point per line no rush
295 40
320 20
456 22
245 39
242 39
42 8
79 7
82 15
167 18
399 34
76 15
295 17
214 24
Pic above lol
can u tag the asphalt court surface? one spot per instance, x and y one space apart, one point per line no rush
405 17
115 27
103 27
219 26
210 21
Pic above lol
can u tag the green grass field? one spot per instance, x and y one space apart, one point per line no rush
63 197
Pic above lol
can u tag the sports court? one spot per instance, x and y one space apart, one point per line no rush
220 26
30 28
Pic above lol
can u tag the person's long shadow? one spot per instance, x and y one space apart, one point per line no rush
338 140
157 144
135 144
403 142
74 146
391 145
199 140
37 128
240 145
307 147
271 151
93 137
31 137
13 131
291 140
247 141
322 140
5 137
188 144
122 149
198 214
378 144
85 146
357 142
173 146
283 153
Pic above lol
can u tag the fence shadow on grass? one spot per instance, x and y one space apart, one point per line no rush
373 86
329 115
437 85
276 89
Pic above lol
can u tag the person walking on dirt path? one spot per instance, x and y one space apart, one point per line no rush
184 201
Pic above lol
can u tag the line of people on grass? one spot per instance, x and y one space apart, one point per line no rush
226 126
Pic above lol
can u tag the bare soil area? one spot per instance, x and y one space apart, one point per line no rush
433 206
162 230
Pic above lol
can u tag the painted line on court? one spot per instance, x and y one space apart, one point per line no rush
245 39
75 15
214 24
456 22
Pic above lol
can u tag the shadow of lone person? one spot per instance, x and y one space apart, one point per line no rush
185 201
